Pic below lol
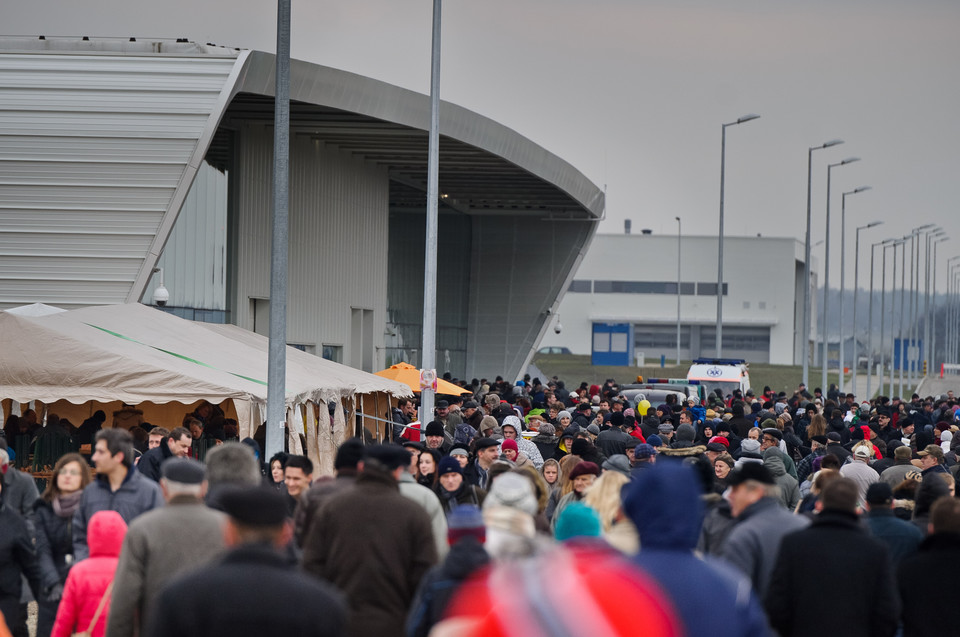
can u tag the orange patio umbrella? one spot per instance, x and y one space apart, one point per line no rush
410 376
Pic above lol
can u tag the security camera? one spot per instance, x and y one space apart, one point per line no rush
160 296
558 327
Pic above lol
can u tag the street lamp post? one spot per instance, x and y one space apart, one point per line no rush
723 156
949 265
843 270
679 235
930 265
428 358
856 287
826 274
870 320
883 313
805 337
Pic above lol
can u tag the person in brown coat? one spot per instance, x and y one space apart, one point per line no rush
373 544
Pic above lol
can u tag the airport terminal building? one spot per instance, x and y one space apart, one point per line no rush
622 301
122 157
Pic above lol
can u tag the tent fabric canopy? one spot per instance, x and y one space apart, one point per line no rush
135 353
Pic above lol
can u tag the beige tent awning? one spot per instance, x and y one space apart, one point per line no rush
135 353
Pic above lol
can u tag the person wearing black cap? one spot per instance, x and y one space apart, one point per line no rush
901 537
251 591
762 522
487 451
833 578
437 437
373 544
184 528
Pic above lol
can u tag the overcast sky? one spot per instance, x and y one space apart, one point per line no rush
633 93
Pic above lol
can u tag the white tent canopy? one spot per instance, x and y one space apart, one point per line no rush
135 353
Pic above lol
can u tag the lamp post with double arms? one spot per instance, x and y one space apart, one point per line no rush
723 157
856 287
843 270
805 337
826 274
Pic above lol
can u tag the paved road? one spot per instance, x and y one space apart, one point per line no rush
936 386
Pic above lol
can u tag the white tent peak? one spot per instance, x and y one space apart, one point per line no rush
35 309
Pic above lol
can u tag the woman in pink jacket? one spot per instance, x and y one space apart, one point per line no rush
89 579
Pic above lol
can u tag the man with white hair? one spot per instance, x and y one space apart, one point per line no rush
859 469
162 544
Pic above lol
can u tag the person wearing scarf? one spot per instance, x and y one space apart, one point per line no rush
54 516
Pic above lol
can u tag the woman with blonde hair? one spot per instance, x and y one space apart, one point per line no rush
604 498
567 463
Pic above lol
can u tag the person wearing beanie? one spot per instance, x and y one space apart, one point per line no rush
577 521
466 534
614 440
582 477
437 437
644 457
453 490
511 429
655 441
684 437
901 537
546 441
511 451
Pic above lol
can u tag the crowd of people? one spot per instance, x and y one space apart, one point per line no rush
518 509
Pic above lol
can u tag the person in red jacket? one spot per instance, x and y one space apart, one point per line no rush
89 579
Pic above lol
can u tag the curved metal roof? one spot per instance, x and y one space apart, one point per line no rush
484 166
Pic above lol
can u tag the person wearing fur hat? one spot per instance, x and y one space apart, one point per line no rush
451 488
582 478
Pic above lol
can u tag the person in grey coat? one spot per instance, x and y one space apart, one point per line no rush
789 490
762 522
118 487
162 544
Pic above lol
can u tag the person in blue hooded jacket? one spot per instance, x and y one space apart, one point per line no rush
711 598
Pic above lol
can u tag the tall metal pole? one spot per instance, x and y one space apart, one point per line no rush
806 264
429 357
679 235
843 271
826 275
946 308
277 360
869 395
903 281
723 157
856 288
883 315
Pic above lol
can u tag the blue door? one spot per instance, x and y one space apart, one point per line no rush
611 344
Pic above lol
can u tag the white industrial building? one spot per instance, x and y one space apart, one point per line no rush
622 300
119 156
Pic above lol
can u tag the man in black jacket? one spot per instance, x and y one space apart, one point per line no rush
266 596
833 578
924 576
176 445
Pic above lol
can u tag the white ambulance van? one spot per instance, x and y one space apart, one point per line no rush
726 374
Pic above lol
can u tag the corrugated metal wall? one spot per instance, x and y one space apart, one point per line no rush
405 290
338 239
519 265
92 149
194 259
